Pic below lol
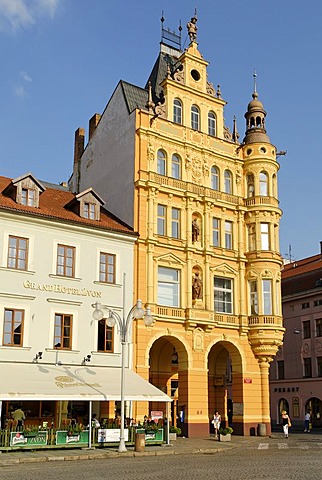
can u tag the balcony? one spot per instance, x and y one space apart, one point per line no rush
265 321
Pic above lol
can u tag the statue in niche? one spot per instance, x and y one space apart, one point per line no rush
196 287
195 230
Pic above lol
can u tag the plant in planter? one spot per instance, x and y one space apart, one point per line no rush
225 434
173 432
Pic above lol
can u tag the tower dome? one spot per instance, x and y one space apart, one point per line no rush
255 120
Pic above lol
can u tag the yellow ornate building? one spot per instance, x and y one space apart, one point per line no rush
207 259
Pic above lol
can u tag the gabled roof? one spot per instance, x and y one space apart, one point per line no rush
53 205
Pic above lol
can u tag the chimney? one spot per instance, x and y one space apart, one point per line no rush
93 124
79 144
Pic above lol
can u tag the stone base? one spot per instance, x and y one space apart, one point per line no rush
225 438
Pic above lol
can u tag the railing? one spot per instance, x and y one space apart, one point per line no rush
171 312
265 320
226 319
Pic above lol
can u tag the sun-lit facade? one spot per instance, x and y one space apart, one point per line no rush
207 258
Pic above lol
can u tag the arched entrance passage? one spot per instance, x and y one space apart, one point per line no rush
314 406
225 384
168 360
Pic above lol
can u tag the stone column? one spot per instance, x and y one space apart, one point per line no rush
264 371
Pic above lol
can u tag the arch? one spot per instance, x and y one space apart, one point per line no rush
228 179
263 184
177 111
282 405
212 124
215 178
161 162
176 166
195 117
314 406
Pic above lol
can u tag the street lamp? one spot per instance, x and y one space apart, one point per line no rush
124 325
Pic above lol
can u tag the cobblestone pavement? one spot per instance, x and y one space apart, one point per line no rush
183 446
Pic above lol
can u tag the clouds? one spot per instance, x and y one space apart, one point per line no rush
17 14
20 90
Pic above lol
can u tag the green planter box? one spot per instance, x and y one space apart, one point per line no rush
153 436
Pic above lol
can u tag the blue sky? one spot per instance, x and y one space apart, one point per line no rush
61 60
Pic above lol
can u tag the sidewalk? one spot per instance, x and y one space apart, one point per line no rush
180 446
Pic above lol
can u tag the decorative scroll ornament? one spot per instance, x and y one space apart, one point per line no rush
210 89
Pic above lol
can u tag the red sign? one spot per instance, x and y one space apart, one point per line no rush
248 380
156 415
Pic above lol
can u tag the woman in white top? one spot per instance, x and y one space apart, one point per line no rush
216 423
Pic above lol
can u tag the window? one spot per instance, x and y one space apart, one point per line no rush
177 111
228 235
212 124
13 327
161 166
228 181
195 117
250 185
89 210
252 237
216 232
168 287
319 366
214 178
306 327
17 253
105 337
253 297
28 197
223 295
280 370
305 305
263 184
267 297
318 327
175 223
307 363
107 267
264 236
161 221
65 260
176 166
317 303
63 331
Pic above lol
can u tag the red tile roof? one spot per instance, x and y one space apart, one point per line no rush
52 204
302 275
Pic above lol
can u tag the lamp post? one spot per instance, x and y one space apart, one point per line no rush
124 325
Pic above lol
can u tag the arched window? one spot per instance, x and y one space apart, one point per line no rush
177 111
211 124
195 117
161 162
214 178
176 166
250 185
228 182
263 184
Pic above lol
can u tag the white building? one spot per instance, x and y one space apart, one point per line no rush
59 254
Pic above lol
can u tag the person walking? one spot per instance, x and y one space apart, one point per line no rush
307 419
286 422
216 423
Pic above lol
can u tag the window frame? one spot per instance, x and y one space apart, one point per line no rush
267 296
215 178
106 331
216 232
307 367
17 248
28 197
176 166
306 329
60 338
263 184
318 327
161 162
177 111
223 295
64 266
13 321
228 182
265 236
212 124
161 220
89 210
175 223
195 118
109 274
166 285
253 297
228 234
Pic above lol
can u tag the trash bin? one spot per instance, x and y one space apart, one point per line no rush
262 429
139 442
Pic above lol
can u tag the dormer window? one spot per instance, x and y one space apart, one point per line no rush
89 210
28 197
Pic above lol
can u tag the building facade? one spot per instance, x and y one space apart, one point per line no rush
60 254
207 259
296 372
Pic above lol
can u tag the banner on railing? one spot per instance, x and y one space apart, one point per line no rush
111 435
64 437
19 439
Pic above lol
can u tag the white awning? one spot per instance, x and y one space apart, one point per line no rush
49 382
